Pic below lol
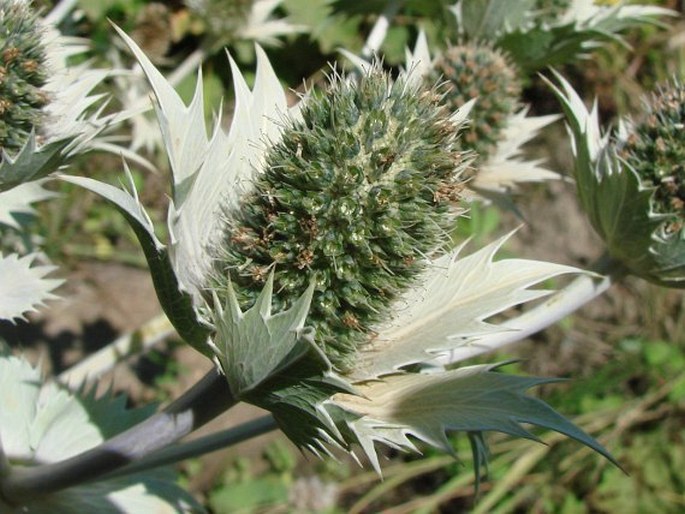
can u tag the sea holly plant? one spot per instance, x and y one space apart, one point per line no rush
309 258
256 274
630 182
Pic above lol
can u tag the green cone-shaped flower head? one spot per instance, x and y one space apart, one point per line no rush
353 195
22 73
479 71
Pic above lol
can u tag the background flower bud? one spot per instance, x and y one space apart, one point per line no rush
477 70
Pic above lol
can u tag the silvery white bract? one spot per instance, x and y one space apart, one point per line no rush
24 286
42 423
270 358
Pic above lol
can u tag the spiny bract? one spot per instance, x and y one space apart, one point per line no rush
22 73
476 70
354 195
655 149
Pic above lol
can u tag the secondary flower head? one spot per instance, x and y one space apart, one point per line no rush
23 74
630 183
476 71
307 260
483 81
49 113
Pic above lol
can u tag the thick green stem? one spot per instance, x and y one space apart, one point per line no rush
203 402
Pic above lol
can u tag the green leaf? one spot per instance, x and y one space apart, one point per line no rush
272 361
31 163
46 423
471 399
255 345
23 287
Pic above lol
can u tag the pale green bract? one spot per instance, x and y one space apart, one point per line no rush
617 202
42 423
271 359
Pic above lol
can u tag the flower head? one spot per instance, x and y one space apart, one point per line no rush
307 260
355 192
479 72
49 113
629 183
484 83
23 74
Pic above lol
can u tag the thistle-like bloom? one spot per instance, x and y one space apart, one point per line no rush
49 113
48 116
308 260
550 32
630 182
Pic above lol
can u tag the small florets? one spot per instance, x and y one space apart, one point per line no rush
22 74
656 151
476 70
353 196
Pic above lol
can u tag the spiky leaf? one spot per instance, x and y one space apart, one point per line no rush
451 305
254 345
23 287
618 203
471 399
209 173
31 162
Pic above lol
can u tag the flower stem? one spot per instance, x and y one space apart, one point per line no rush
580 291
208 398
200 446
